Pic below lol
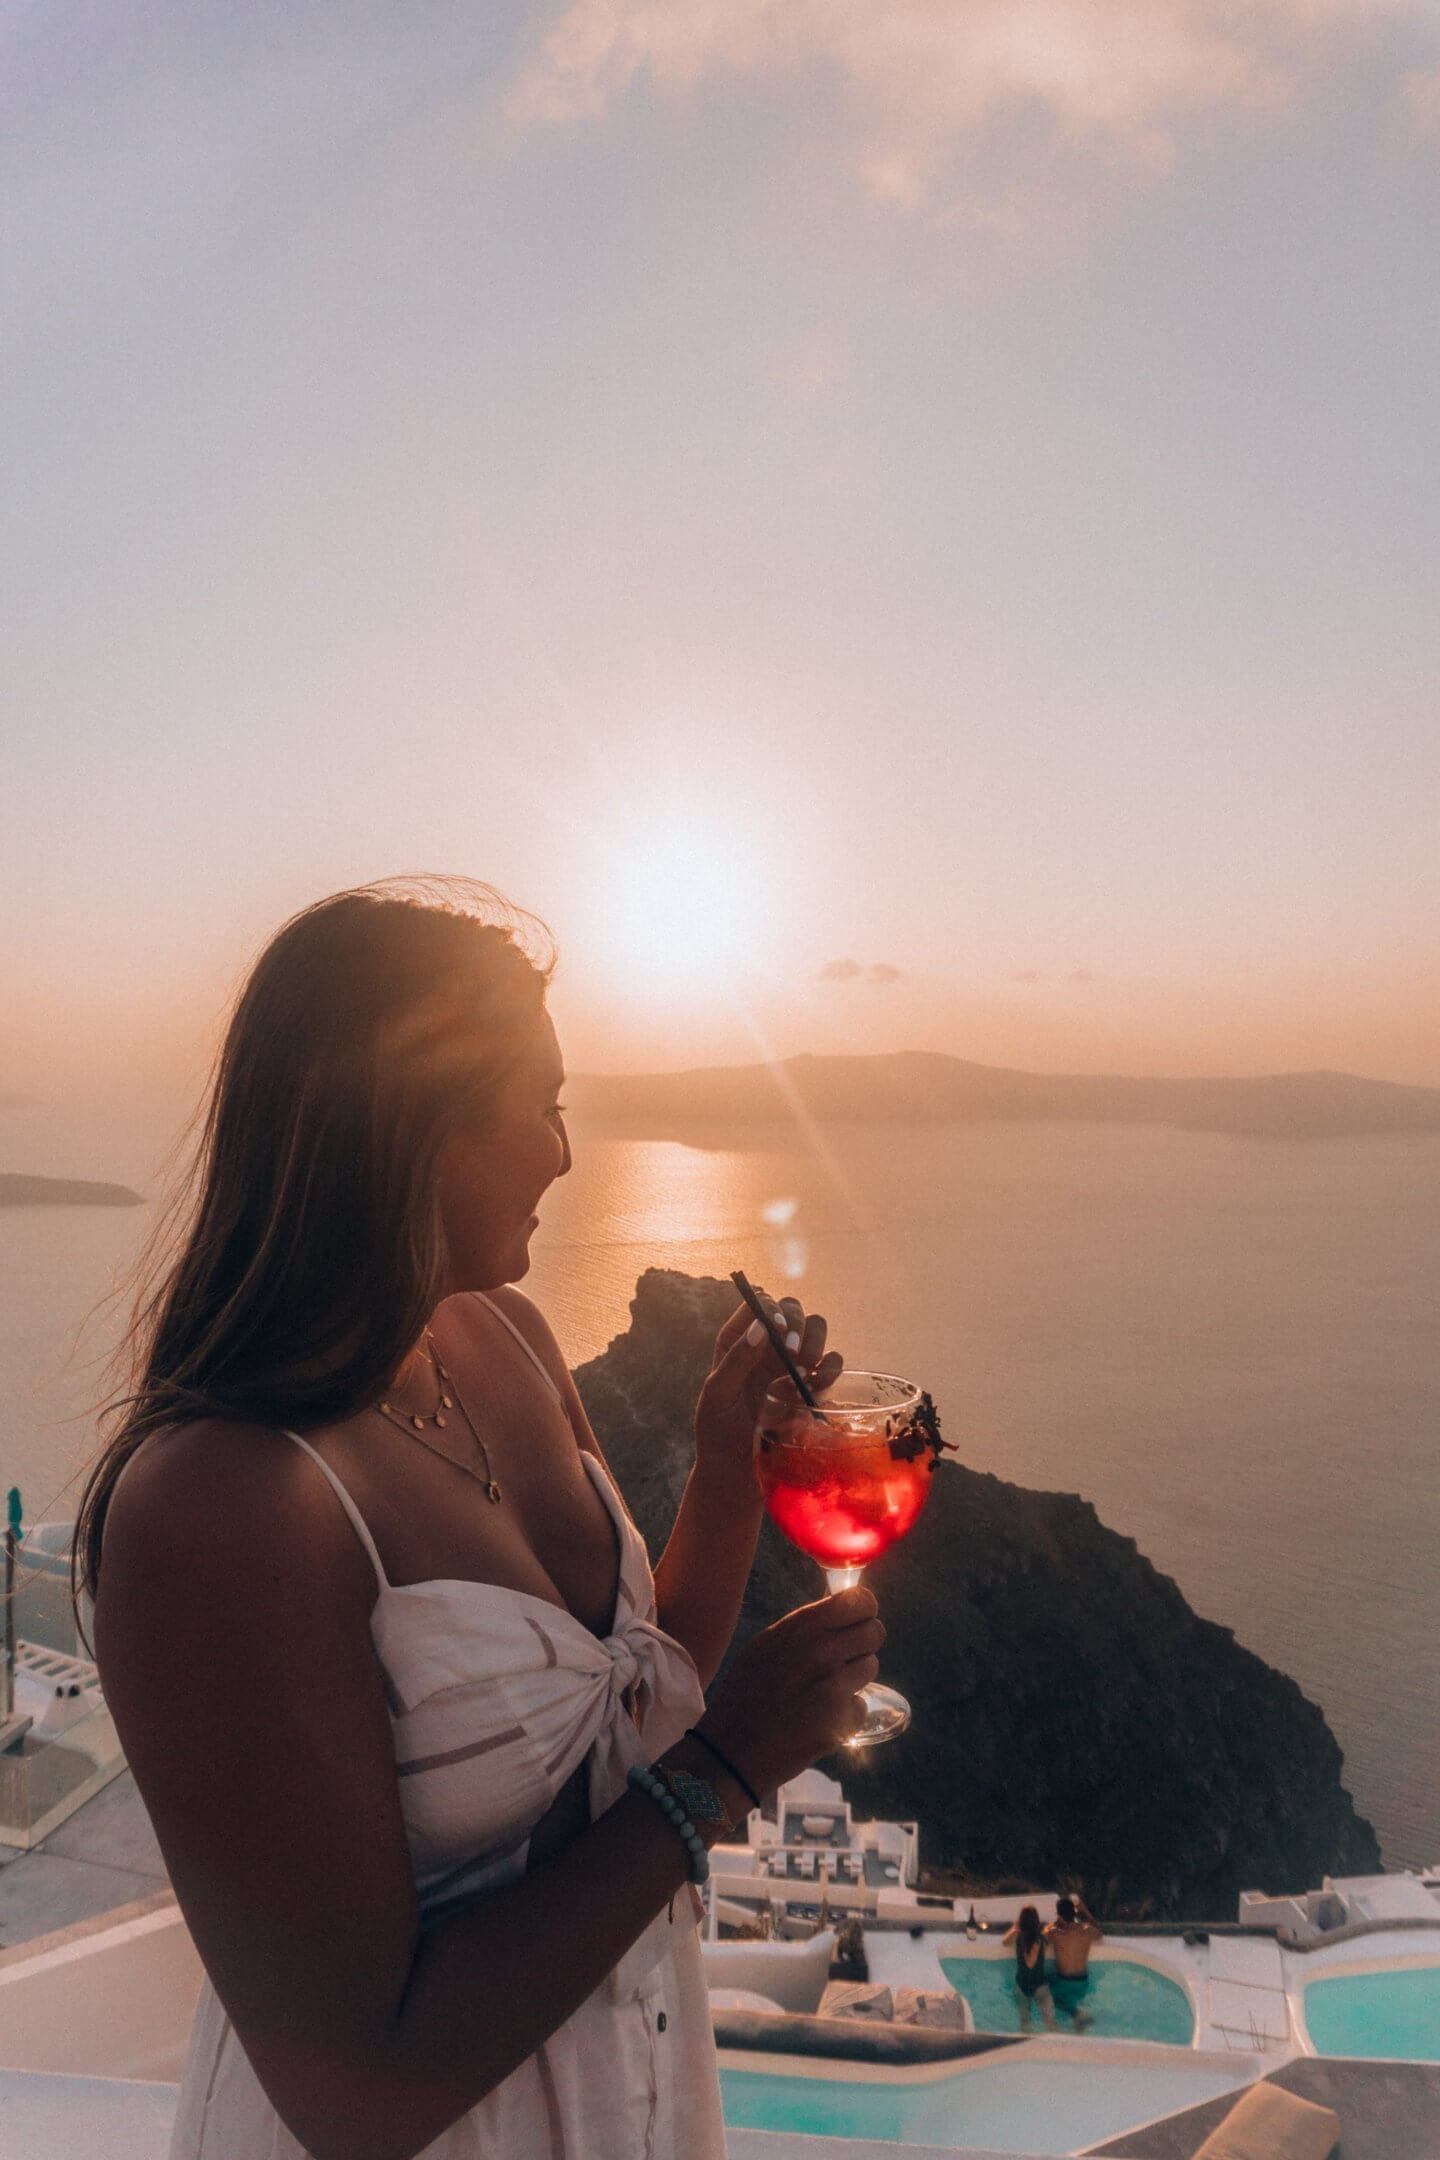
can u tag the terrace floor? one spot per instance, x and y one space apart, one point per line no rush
105 1855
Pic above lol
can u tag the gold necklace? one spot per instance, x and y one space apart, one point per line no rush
413 1426
432 1417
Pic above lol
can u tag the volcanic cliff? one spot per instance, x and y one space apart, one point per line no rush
1075 1721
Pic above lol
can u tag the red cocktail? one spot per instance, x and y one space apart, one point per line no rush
844 1481
843 1506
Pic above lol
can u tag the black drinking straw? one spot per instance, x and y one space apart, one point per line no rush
777 1340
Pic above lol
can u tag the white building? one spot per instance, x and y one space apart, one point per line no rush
810 1859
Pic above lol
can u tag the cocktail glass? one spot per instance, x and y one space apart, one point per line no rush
843 1481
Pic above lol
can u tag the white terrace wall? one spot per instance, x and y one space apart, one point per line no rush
108 1998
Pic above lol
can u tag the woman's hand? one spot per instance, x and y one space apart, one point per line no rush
790 1696
745 1366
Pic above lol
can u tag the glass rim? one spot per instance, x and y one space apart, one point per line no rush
908 1401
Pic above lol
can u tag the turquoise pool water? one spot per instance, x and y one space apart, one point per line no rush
1125 2000
1394 2014
1008 2106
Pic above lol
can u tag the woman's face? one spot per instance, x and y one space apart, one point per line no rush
491 1183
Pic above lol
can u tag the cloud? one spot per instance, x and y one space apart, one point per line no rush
917 82
879 971
1079 976
1420 96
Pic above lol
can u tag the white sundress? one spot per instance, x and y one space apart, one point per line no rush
495 1699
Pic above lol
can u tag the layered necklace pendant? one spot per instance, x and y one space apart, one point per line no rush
449 1398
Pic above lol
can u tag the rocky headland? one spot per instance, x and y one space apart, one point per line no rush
1075 1720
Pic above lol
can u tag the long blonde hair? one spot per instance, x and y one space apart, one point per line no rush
310 1252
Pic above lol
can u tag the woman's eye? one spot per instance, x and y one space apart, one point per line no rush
556 1110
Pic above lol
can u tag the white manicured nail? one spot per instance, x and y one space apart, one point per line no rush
755 1334
792 1340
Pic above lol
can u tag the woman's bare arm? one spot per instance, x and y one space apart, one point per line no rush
700 1577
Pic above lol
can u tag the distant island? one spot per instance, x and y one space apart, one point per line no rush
17 1191
917 1087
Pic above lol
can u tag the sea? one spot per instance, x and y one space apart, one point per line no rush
1231 1347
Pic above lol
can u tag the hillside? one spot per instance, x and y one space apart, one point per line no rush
922 1087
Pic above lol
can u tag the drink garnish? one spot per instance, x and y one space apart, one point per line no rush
920 1431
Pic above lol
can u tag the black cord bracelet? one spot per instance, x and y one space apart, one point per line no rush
725 1763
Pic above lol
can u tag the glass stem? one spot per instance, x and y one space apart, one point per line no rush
841 1578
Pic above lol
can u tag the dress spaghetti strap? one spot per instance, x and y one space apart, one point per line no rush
528 1347
357 1520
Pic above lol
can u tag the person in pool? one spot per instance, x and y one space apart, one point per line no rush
423 1740
1031 1982
1071 1936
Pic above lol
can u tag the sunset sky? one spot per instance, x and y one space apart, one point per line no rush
898 525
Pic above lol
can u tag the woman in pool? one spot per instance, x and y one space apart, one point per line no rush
1030 1979
380 1639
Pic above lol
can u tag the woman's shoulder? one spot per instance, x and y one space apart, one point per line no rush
203 1459
522 1313
212 1494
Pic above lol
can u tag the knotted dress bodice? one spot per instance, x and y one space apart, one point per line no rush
496 1698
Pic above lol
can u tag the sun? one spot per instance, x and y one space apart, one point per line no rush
681 911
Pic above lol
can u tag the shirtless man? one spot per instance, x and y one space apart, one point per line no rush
1071 1936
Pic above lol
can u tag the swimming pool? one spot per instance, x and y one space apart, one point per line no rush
1001 2103
1393 2013
1125 2000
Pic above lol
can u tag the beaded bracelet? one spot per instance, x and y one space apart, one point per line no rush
644 1780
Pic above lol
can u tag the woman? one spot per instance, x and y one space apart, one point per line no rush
379 1637
1030 1980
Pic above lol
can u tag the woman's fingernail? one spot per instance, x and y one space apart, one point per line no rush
755 1334
792 1340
